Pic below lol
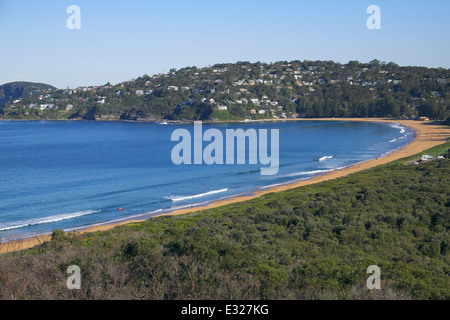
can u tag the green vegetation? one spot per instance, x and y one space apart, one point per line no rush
313 242
247 90
21 89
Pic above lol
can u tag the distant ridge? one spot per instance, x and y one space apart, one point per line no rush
19 89
253 91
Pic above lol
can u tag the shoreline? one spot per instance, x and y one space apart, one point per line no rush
427 135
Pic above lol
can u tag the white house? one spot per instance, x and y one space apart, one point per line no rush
208 100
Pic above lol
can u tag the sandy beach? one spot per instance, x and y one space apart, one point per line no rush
427 135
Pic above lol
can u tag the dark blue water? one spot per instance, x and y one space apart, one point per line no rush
69 175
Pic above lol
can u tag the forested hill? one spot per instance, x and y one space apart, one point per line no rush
16 90
247 90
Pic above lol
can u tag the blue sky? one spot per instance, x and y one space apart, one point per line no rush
121 40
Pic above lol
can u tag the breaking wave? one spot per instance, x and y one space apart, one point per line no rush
325 158
181 198
33 222
398 126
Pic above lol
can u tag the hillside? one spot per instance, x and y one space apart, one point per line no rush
17 90
312 242
247 90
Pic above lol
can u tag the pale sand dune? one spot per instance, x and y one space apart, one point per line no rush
427 136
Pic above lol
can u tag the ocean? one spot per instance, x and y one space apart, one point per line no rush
73 174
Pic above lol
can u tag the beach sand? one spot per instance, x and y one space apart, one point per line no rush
427 136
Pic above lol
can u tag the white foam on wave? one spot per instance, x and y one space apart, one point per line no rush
273 185
307 173
181 198
312 172
32 222
325 158
398 126
402 137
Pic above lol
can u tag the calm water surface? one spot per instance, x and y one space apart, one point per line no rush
73 174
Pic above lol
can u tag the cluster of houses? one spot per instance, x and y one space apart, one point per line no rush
426 158
309 77
271 75
272 107
87 89
40 106
45 106
280 76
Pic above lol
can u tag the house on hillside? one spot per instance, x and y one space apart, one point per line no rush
208 100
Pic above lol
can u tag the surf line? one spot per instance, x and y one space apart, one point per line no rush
214 152
181 198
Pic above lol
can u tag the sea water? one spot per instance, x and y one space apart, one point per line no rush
73 174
